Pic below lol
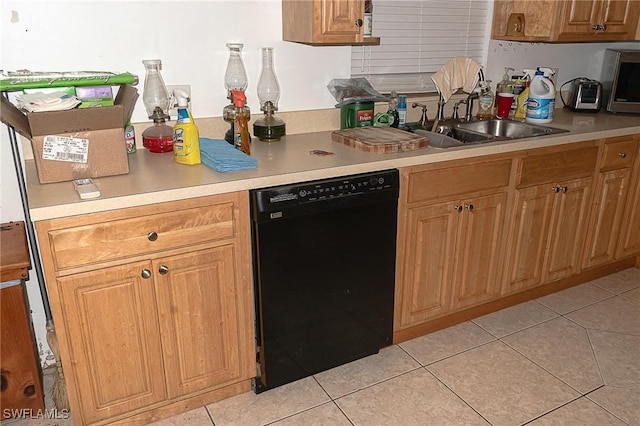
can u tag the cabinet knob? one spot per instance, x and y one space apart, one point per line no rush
152 236
146 274
563 189
469 207
622 155
555 189
458 208
163 269
358 22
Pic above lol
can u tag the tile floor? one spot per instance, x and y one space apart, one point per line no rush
570 358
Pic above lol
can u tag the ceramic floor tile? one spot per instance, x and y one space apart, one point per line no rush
502 385
391 361
562 348
275 404
415 398
620 281
574 298
197 417
515 318
618 356
325 415
633 295
445 343
579 412
619 401
616 314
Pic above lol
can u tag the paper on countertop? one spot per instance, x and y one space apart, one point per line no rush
40 102
222 157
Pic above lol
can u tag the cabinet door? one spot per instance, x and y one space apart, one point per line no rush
527 238
428 264
197 301
110 319
616 19
340 18
606 217
629 239
565 246
478 260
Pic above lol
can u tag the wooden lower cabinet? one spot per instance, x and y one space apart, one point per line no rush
164 324
550 211
449 251
110 318
629 237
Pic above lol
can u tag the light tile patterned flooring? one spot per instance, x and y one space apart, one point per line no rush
570 358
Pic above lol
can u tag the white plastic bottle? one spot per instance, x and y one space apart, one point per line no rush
542 99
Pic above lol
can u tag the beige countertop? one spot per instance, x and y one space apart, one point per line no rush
155 178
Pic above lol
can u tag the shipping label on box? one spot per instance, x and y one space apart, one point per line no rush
60 148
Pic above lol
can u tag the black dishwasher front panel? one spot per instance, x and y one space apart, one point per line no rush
324 274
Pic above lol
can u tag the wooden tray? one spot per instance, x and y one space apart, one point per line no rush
379 139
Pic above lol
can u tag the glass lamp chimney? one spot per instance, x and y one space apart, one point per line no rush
155 97
268 87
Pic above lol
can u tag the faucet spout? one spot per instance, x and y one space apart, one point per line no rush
469 101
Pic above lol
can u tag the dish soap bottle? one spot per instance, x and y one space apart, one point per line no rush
542 99
241 136
485 101
186 140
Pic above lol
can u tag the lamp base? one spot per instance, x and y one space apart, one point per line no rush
269 128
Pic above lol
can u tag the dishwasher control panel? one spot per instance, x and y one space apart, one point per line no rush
275 198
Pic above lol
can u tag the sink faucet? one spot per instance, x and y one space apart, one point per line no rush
423 116
468 115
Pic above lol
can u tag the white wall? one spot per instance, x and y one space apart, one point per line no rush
572 59
190 38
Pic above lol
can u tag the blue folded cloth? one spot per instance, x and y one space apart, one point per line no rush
222 157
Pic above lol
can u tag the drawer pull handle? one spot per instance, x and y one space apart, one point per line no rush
469 207
163 269
458 208
622 155
152 236
358 22
146 274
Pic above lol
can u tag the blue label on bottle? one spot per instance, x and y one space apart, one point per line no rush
540 109
183 116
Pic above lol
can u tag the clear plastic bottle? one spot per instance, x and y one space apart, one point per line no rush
393 109
242 138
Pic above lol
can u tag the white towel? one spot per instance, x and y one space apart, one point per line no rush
458 73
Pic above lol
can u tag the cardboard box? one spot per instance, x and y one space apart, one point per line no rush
78 143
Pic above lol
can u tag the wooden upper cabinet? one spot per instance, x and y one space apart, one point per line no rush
325 22
575 20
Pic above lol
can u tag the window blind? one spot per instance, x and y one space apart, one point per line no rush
417 37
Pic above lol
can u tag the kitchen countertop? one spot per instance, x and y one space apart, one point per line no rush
155 178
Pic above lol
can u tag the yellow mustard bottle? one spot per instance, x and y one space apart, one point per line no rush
186 139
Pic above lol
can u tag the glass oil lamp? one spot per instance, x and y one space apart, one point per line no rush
268 128
235 78
156 99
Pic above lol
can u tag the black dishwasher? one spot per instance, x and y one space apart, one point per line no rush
324 273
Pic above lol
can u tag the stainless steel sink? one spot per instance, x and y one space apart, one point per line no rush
457 133
510 129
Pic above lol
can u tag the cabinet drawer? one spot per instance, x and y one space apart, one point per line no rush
558 166
618 155
448 182
111 240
